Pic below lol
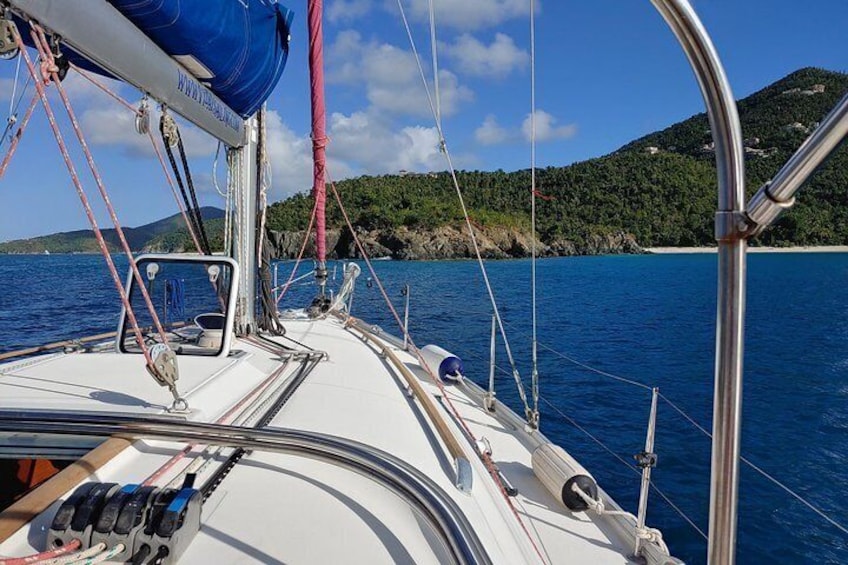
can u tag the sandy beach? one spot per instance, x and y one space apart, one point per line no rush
799 249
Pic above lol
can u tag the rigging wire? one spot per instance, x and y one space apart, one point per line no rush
108 91
16 137
593 369
173 188
215 172
534 379
306 237
443 146
269 319
228 206
12 119
435 53
762 472
765 474
15 85
625 463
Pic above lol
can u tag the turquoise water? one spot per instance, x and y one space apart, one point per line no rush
647 318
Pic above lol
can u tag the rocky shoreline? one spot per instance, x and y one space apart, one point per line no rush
448 242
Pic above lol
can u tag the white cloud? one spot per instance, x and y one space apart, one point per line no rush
546 128
290 156
390 76
289 153
105 122
471 14
370 145
82 91
490 133
360 143
347 10
496 60
115 126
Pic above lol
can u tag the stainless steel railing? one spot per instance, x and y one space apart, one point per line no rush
734 225
401 478
732 246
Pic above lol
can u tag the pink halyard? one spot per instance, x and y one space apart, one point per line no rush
319 134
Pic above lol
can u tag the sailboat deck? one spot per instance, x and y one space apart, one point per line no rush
282 507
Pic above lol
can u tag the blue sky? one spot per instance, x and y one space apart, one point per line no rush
608 71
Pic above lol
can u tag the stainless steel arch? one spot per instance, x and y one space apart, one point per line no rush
732 246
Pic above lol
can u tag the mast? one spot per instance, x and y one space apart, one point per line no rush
319 135
242 174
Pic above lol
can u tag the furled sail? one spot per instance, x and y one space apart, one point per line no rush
237 48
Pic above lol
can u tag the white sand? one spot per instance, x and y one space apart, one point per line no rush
799 249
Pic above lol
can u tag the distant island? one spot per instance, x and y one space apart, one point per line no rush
657 191
165 235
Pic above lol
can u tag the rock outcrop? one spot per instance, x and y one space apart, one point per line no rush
448 242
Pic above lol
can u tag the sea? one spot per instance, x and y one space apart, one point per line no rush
609 329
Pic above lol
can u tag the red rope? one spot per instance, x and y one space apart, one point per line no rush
41 44
105 89
16 137
44 555
51 118
300 255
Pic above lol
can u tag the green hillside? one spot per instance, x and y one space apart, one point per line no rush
159 234
660 188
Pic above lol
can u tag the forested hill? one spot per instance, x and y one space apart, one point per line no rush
167 234
660 188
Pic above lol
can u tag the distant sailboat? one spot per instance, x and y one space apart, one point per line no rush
46 252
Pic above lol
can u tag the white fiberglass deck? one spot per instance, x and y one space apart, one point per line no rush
275 507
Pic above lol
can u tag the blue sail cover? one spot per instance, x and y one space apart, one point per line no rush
237 47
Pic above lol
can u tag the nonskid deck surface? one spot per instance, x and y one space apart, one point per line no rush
284 507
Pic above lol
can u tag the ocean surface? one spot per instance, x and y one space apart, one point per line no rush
648 319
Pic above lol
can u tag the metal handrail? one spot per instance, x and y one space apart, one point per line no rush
400 477
734 225
778 194
732 246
